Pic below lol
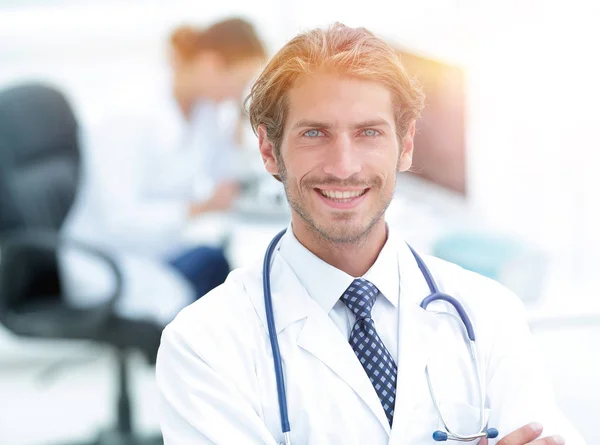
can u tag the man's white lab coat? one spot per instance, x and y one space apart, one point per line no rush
217 384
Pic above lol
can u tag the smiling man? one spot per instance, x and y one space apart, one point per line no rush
338 161
335 116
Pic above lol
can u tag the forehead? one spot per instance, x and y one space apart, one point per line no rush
338 100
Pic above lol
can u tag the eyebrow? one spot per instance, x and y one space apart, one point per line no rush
324 125
372 123
307 123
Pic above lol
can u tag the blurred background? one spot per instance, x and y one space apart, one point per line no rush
505 182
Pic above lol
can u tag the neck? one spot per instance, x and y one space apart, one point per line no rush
353 258
184 100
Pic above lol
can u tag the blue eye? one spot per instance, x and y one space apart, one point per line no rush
313 133
370 132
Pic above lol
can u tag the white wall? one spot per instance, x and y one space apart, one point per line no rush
102 52
437 28
533 148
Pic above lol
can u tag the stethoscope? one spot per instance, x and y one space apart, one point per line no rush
438 436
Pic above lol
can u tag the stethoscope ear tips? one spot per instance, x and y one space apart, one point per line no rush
492 433
440 436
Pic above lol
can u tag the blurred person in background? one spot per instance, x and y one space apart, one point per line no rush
147 173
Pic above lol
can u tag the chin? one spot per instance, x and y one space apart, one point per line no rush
343 232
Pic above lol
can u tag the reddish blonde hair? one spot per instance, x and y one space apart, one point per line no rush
234 40
340 49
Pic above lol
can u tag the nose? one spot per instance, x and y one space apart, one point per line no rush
341 159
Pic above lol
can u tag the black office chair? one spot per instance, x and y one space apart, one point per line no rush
39 176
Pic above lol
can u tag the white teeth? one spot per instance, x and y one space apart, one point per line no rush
334 194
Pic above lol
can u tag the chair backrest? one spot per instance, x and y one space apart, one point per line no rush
39 174
39 158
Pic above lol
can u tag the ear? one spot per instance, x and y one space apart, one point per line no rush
266 151
407 147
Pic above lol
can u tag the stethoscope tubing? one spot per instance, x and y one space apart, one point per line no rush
435 294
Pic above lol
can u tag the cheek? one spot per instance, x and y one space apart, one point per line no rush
301 164
388 165
380 164
240 87
228 89
308 153
198 76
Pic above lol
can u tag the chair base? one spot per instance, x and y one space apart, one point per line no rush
118 438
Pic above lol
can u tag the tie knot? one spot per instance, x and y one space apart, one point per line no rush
360 298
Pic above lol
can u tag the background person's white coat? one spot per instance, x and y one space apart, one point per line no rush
141 171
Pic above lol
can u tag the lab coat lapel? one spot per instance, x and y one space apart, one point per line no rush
288 296
319 336
323 339
416 334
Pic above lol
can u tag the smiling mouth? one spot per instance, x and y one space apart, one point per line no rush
342 196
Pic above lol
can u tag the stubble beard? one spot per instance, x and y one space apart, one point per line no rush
326 234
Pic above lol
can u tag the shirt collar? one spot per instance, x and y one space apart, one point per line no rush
326 284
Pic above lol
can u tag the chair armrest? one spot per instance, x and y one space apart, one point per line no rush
51 242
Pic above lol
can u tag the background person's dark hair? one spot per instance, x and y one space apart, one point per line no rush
233 39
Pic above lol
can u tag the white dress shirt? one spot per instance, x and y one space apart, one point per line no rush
326 284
